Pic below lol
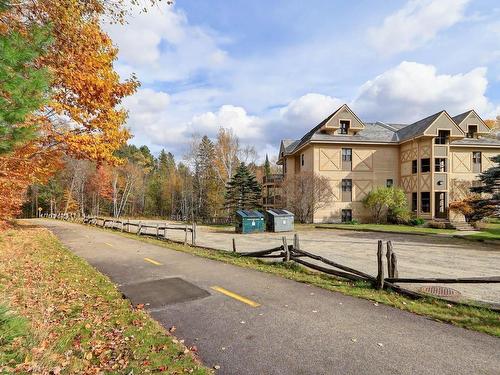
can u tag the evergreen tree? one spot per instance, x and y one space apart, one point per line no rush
490 179
24 86
243 192
204 178
267 167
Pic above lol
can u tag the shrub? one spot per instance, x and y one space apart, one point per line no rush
387 204
416 221
352 222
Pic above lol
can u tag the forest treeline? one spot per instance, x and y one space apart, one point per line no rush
147 185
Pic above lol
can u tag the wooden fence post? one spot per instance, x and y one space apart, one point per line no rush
394 264
286 258
380 264
234 245
193 234
165 231
185 234
296 243
157 230
139 228
389 258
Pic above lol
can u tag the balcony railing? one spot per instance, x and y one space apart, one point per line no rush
273 179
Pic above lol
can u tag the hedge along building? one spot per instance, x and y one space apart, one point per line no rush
435 161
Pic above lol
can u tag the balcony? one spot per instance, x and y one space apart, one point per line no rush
272 179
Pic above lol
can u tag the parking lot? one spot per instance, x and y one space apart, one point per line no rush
418 255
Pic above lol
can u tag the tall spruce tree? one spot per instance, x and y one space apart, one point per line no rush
267 167
204 177
490 180
24 86
243 192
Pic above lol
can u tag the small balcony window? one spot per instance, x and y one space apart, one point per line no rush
440 165
344 126
425 201
471 131
425 165
347 159
442 138
476 162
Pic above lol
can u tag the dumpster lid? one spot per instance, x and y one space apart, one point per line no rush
279 212
249 213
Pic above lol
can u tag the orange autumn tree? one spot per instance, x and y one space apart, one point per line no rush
82 118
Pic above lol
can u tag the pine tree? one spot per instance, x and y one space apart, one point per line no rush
24 86
490 179
204 177
243 192
267 167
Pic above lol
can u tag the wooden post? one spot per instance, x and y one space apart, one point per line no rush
389 258
296 243
234 245
185 234
165 231
122 225
139 228
394 264
380 264
157 230
193 233
286 258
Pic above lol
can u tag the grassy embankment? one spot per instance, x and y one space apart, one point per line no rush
59 315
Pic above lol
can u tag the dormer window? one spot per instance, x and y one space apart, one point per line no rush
442 137
344 126
471 131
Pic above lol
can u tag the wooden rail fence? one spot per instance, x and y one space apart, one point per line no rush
292 252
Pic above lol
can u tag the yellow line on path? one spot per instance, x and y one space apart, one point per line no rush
108 244
152 261
235 296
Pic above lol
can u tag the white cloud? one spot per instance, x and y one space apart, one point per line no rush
246 127
411 91
162 45
309 109
415 24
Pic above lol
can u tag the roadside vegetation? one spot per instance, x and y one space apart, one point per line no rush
388 228
59 315
489 231
478 318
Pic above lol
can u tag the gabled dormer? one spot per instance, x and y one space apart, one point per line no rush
443 123
471 124
343 122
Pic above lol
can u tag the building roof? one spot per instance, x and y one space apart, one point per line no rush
461 117
381 132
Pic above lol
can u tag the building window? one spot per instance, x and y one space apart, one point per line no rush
425 165
344 126
389 182
302 160
476 162
425 201
346 216
414 198
347 159
471 131
284 167
414 168
440 165
442 137
346 190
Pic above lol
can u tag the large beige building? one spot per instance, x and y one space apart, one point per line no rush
434 160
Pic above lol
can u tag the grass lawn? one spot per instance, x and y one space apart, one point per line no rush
390 228
490 231
59 315
471 317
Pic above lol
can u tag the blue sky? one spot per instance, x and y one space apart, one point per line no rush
273 69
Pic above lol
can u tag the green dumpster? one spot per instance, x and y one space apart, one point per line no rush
249 221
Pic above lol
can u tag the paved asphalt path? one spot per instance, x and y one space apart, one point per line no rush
297 329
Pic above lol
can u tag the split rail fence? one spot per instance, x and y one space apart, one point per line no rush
293 252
